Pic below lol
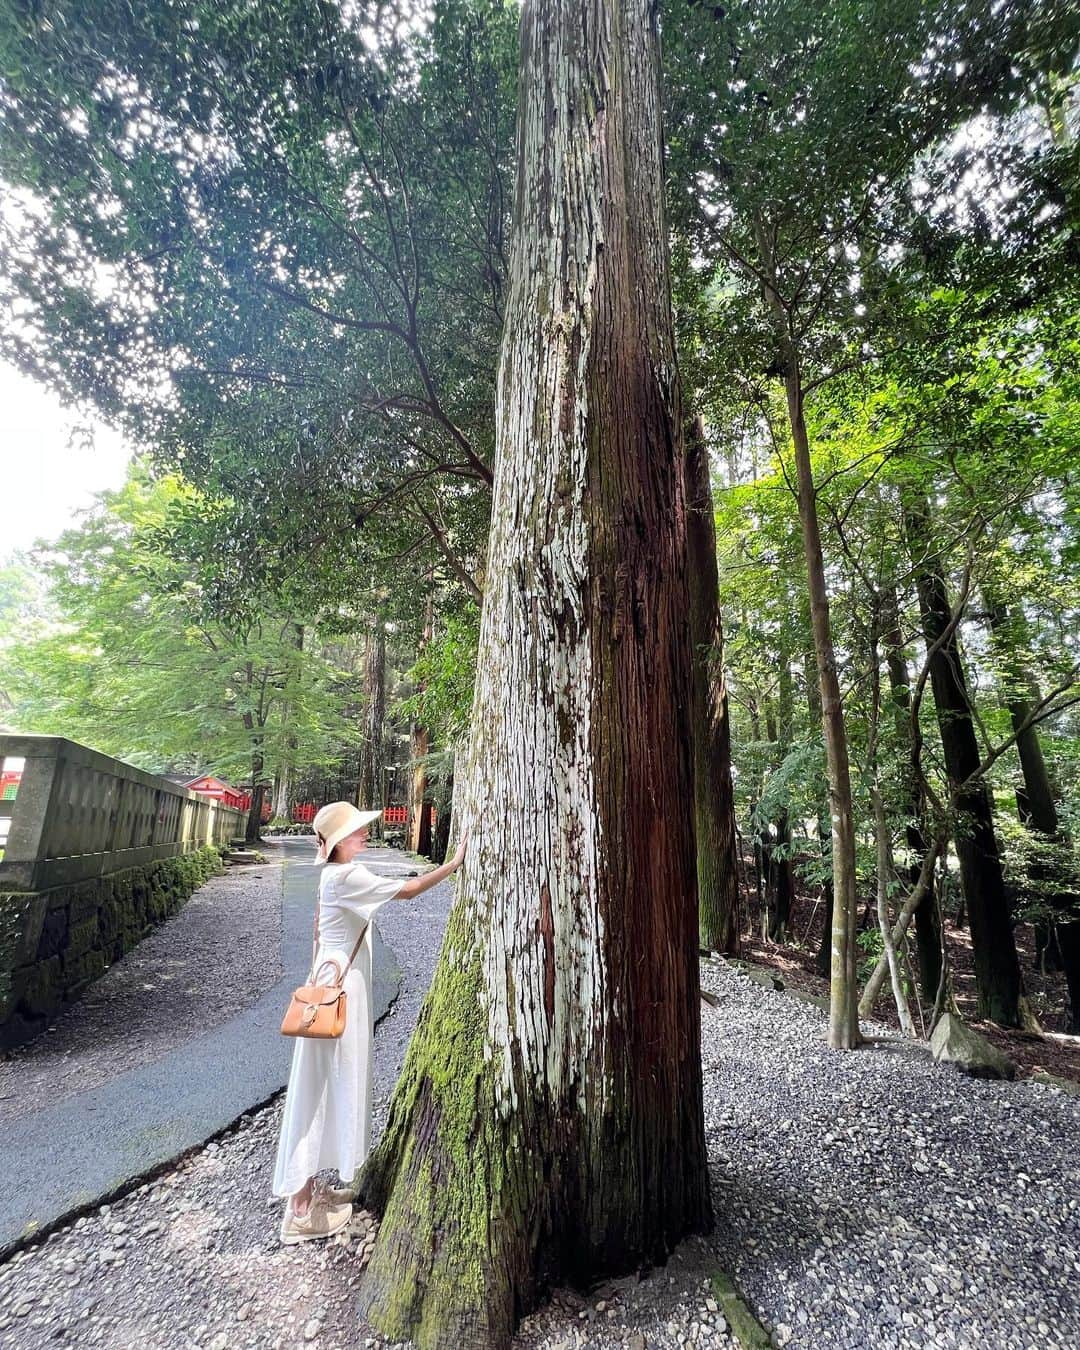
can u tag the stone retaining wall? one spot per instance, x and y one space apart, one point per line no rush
53 943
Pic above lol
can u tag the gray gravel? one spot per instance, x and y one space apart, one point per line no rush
226 940
876 1198
866 1200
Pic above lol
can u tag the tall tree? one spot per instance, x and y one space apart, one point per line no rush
372 789
792 167
283 267
136 668
548 1120
913 802
1054 869
997 967
714 807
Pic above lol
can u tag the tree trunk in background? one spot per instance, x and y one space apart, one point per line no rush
884 874
714 808
823 960
371 795
282 793
282 790
254 719
253 831
548 1121
780 862
843 1018
843 1015
440 840
997 969
927 918
418 828
1039 802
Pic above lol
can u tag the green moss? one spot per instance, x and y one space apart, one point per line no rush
745 1327
437 1172
79 971
40 987
21 919
82 937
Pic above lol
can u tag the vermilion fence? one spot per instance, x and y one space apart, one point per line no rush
399 815
303 813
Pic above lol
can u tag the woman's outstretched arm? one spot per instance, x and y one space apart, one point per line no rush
418 885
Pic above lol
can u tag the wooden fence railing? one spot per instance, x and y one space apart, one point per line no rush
76 813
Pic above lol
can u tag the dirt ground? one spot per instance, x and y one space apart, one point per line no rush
1053 1051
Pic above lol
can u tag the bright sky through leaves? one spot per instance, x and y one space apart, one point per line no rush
52 460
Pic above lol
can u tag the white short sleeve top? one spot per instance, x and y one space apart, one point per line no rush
349 894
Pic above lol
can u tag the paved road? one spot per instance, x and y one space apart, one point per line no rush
94 1144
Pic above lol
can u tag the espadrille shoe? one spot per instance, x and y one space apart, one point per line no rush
320 1221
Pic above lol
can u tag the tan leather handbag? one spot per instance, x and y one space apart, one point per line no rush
318 1010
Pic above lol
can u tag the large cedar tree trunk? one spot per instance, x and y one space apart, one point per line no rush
997 968
714 807
548 1121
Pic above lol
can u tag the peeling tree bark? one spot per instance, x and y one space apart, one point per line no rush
548 1121
714 807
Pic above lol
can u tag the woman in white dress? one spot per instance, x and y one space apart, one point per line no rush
326 1122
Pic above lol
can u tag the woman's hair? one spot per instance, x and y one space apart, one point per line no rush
330 856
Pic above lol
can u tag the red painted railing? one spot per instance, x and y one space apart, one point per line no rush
398 815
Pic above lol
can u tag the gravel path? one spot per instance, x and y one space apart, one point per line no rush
226 938
867 1200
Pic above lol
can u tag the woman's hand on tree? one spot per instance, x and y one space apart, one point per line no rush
459 856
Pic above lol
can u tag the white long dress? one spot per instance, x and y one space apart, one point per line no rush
327 1118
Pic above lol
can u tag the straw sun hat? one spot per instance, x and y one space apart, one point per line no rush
336 820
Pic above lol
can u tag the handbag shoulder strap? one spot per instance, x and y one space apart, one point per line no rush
315 945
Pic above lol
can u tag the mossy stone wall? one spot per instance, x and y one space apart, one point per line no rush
54 943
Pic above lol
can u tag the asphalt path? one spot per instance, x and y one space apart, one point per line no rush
95 1145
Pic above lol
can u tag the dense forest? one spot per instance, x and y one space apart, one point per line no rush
273 244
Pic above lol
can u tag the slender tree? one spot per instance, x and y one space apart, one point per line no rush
913 804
